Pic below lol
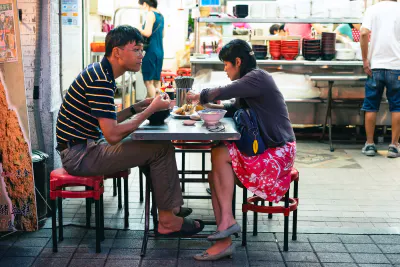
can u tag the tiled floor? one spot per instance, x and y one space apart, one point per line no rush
348 205
340 192
122 248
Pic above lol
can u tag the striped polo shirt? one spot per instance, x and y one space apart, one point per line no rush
90 96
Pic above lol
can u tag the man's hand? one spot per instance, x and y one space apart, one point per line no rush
367 67
160 102
142 105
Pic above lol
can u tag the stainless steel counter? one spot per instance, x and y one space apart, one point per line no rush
324 67
215 60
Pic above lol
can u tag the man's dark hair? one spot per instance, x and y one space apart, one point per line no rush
239 49
274 28
121 36
152 3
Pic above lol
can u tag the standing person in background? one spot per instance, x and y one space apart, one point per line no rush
351 31
277 29
153 29
303 30
382 65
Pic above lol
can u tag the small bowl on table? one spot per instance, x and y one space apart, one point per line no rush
211 116
159 117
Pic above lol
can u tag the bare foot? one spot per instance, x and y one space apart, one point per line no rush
219 246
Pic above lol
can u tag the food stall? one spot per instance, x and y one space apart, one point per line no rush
299 76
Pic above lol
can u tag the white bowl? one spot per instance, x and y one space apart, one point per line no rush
211 116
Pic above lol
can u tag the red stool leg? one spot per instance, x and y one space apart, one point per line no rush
286 225
119 193
140 185
114 187
203 165
255 221
60 220
97 220
183 171
54 224
270 214
88 209
295 196
244 216
146 219
102 217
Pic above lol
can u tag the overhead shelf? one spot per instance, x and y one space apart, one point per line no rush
280 20
321 63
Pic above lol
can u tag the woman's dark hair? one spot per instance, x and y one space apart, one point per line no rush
282 28
120 36
152 3
239 49
351 25
274 28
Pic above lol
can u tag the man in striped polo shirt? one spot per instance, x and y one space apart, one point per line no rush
93 138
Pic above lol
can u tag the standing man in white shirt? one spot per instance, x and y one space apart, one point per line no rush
382 64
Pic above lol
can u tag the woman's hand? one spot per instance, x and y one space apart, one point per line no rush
193 96
160 102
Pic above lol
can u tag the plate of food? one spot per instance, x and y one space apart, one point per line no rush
186 111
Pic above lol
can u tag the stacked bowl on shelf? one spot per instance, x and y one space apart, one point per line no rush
328 46
260 51
275 49
290 49
311 49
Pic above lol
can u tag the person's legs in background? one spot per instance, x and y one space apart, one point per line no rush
157 84
370 121
393 96
151 89
374 87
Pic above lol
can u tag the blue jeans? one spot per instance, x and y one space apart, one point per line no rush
374 87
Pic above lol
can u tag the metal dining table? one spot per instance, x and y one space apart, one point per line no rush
173 129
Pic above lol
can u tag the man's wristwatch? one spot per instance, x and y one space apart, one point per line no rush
133 111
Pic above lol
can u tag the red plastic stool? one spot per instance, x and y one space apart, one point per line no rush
59 179
167 76
184 72
251 204
117 180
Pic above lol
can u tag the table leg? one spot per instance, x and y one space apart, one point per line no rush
330 114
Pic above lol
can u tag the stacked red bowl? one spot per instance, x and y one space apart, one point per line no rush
328 45
311 49
290 49
275 49
260 51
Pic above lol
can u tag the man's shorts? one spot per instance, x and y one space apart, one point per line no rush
375 86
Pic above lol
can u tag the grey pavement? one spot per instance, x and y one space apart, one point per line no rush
348 216
122 248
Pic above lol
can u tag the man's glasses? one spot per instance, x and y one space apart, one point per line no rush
138 52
